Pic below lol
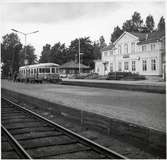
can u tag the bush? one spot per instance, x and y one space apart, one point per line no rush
124 76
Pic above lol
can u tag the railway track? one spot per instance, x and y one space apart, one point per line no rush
30 136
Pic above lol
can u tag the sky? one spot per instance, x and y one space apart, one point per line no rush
67 20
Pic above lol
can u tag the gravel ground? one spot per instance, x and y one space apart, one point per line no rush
114 143
146 109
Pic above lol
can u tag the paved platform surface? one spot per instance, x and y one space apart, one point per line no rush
146 109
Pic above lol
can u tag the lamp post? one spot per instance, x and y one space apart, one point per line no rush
25 34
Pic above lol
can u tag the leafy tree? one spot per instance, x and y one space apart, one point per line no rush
58 54
161 24
96 50
134 24
102 42
128 26
116 33
150 23
10 48
137 22
86 48
28 54
44 58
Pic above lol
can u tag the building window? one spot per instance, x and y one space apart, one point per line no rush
126 66
105 53
144 65
133 65
143 48
119 49
133 47
111 53
119 66
126 48
153 64
152 47
111 67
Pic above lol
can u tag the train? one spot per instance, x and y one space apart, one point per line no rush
39 73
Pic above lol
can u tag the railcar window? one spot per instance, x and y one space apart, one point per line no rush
40 70
31 71
53 70
34 70
43 70
47 70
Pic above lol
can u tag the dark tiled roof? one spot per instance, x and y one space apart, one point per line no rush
73 65
109 47
141 36
145 38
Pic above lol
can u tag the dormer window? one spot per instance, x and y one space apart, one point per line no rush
126 48
152 47
111 53
105 53
143 48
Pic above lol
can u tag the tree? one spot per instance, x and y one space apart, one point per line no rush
30 56
128 26
10 48
150 23
161 24
44 58
58 54
102 42
116 33
86 48
96 50
134 24
137 22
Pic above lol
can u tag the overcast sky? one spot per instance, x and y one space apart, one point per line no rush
66 21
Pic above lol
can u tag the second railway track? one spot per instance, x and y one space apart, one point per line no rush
40 138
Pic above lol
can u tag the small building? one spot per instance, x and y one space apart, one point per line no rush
142 53
72 67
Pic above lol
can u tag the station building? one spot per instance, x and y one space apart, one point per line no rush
142 53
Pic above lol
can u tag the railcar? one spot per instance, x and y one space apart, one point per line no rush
39 73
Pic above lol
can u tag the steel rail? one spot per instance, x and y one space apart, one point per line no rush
16 145
106 151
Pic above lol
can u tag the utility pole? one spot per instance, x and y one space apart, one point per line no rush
79 54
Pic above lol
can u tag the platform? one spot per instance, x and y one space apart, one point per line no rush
153 86
145 109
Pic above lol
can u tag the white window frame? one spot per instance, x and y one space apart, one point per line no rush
153 64
144 65
126 66
119 66
126 48
153 48
133 65
143 48
119 49
133 47
111 67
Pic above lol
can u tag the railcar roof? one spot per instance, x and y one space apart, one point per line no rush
40 65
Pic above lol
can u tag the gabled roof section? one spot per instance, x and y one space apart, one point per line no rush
135 36
73 65
107 48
